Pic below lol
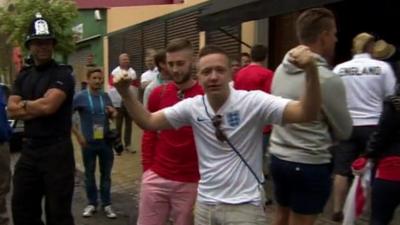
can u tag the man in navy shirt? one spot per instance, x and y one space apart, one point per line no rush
95 108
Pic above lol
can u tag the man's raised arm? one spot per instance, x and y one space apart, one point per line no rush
142 117
309 105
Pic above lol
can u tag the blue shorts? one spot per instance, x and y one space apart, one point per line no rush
304 188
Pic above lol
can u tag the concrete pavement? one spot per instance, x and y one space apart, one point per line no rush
125 188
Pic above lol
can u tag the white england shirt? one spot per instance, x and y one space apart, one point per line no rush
224 177
367 82
149 75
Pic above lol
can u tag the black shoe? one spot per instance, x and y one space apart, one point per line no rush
337 216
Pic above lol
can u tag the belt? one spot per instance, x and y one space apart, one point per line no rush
44 141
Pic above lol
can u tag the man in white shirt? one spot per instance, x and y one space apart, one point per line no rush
123 116
367 82
152 71
163 75
226 117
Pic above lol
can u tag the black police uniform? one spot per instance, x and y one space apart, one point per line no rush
46 167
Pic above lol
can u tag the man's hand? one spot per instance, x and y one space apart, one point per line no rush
111 112
308 107
81 140
122 84
302 57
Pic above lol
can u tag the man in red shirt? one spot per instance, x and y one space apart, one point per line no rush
256 77
169 159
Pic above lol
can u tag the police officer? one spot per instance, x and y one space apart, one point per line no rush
42 97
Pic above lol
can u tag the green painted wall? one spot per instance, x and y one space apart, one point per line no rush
91 27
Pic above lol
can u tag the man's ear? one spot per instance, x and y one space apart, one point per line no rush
323 36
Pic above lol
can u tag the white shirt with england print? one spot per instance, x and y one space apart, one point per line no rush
224 177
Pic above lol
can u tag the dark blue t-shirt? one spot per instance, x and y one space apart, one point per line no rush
89 117
32 83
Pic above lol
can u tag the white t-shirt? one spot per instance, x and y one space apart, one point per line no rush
114 95
116 99
367 82
149 75
224 177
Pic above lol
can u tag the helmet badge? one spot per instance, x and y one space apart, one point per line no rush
41 26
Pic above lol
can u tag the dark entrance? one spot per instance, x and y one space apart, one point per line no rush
377 17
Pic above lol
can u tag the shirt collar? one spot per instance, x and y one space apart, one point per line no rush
362 56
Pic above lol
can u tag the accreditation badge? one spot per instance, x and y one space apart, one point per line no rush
98 132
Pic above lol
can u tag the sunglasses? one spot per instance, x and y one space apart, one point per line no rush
219 134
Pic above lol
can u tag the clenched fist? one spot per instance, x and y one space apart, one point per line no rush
302 57
122 75
122 82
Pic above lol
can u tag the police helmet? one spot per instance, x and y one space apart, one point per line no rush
39 29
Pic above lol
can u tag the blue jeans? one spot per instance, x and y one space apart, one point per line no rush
106 158
385 197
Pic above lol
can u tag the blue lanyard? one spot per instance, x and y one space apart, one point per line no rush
91 103
161 81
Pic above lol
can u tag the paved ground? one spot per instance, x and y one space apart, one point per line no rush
126 180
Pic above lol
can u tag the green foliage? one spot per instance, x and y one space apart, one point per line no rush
15 20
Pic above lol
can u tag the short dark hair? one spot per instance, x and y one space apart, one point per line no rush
213 49
92 70
160 57
313 22
179 44
259 53
245 54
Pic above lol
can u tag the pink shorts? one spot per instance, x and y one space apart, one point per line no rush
162 199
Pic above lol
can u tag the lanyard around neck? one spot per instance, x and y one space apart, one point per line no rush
91 103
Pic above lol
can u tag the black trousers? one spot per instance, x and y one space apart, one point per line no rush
45 170
385 197
123 116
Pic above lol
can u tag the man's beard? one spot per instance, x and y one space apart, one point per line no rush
185 78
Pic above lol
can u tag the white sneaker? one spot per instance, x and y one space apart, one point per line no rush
89 211
109 212
130 149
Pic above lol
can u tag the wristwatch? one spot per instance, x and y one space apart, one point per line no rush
24 104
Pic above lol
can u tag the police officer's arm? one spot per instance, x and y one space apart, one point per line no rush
47 105
309 105
16 108
15 105
57 92
27 109
143 118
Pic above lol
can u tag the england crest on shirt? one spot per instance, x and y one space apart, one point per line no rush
233 118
